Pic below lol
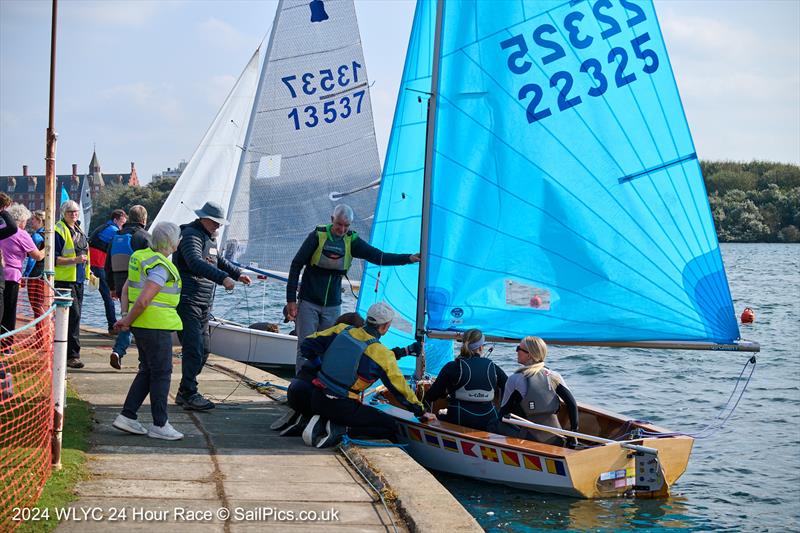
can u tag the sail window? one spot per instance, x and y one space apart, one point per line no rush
523 295
269 166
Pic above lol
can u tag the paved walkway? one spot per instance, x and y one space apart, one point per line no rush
229 460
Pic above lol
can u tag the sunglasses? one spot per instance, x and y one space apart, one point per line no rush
521 349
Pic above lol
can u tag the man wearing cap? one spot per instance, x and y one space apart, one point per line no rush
324 257
200 267
352 359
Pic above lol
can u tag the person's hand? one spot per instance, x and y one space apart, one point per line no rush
245 279
291 310
414 349
122 324
414 258
114 296
426 417
228 283
81 259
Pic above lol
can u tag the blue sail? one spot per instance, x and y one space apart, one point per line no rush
567 199
396 226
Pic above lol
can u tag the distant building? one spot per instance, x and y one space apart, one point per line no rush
171 172
29 190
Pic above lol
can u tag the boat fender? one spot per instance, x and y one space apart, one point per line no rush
748 316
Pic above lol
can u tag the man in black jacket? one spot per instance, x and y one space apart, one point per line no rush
127 240
324 258
200 266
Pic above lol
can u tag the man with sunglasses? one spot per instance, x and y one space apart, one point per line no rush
201 267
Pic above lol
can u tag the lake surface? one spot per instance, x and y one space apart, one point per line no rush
744 478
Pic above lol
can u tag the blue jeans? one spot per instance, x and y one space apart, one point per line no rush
105 292
155 371
122 343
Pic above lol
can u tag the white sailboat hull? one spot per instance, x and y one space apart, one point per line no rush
252 346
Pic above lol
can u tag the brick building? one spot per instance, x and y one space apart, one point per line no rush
28 189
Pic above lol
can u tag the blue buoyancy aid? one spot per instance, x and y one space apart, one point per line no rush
120 251
340 362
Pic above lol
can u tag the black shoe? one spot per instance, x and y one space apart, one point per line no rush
314 431
287 419
296 428
335 432
179 399
197 402
75 363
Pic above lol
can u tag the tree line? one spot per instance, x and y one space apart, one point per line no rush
757 201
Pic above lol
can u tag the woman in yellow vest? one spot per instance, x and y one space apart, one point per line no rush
72 271
151 295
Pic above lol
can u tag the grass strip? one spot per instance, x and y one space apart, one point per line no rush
59 490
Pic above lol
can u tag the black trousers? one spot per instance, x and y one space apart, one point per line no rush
153 377
8 322
195 345
74 329
298 395
362 421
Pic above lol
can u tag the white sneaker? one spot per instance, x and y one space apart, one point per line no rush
284 421
129 425
166 432
314 430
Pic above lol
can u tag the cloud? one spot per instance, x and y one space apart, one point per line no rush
125 13
220 33
218 88
159 100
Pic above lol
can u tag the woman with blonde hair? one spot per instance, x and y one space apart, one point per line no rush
471 383
533 392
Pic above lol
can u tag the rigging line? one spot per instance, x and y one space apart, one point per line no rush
403 172
612 256
306 154
379 493
579 200
659 319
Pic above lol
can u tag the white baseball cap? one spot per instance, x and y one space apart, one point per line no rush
379 314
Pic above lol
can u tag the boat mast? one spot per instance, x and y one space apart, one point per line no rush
237 182
426 183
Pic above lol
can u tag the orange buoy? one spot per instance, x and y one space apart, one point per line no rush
748 316
536 301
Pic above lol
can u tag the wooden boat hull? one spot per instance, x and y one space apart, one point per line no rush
251 346
601 471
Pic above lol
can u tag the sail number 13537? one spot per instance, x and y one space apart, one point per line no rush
579 34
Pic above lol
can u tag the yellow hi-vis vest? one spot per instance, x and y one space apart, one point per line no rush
331 254
68 272
160 313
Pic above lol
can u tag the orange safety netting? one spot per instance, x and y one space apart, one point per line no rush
26 399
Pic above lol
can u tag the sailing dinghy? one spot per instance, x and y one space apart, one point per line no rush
288 145
555 191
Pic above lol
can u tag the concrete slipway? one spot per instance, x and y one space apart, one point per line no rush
231 473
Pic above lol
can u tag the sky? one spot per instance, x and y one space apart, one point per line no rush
142 80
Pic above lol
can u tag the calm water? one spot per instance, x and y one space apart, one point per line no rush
744 478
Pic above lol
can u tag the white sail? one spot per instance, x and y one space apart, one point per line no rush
311 142
211 172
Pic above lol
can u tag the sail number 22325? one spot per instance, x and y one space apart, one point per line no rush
580 33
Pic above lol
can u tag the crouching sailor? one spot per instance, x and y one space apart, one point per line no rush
533 393
351 360
471 383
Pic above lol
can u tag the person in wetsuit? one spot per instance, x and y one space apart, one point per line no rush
471 384
533 393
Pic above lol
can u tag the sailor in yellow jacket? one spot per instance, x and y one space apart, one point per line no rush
151 295
350 360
